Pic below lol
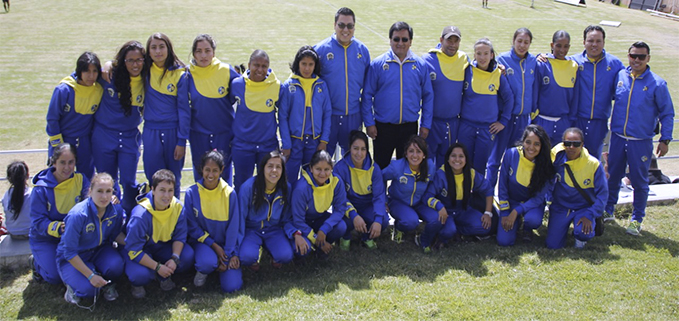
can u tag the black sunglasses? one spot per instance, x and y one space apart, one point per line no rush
343 25
567 143
402 39
638 56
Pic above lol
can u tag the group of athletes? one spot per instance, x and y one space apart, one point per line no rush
454 122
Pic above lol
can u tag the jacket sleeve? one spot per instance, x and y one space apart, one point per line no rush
137 230
427 97
235 229
284 117
369 90
71 238
286 216
601 192
663 103
505 100
379 196
482 186
181 229
59 99
117 223
195 232
503 183
183 109
233 74
327 115
573 103
42 224
537 201
433 188
300 202
339 207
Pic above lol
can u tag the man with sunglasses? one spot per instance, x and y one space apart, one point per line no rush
641 101
397 88
344 61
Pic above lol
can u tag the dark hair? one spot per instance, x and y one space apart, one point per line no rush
17 174
543 170
121 77
212 155
199 38
100 177
259 187
306 51
422 145
485 41
398 26
576 131
593 28
344 11
162 175
639 45
355 135
59 150
466 176
171 61
523 30
320 155
84 61
560 34
259 53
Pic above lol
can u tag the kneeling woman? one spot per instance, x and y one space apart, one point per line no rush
86 259
525 178
156 237
312 197
264 201
215 225
579 195
365 191
459 191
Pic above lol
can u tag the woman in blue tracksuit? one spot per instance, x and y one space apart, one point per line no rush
409 179
312 196
86 259
56 190
264 201
525 179
167 117
304 130
156 237
365 191
486 105
208 82
568 205
215 225
116 138
256 94
459 208
69 115
557 89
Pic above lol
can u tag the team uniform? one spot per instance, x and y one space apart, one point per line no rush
213 216
365 191
487 98
116 139
513 194
255 125
211 113
22 225
465 221
69 119
91 238
167 120
50 202
343 68
522 81
568 206
557 96
303 119
269 226
153 232
447 80
596 87
391 83
640 102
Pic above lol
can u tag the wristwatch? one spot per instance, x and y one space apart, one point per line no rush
175 258
488 213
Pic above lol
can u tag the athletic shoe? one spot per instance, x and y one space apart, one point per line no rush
70 297
418 240
608 216
634 228
370 244
167 284
34 272
199 279
396 236
344 244
482 238
527 236
110 293
138 292
426 250
580 244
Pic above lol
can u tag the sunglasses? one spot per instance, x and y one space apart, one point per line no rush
567 143
402 39
343 25
638 56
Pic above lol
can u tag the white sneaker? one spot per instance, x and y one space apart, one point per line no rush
70 296
199 279
167 284
580 244
138 292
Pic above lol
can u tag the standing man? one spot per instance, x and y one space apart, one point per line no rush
397 88
596 84
344 62
446 70
641 101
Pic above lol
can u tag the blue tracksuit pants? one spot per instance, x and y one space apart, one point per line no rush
531 221
105 261
272 238
636 153
339 131
207 262
468 222
506 138
442 135
479 144
595 131
84 163
332 236
45 260
560 220
202 143
554 129
159 145
407 218
140 275
368 215
246 156
300 154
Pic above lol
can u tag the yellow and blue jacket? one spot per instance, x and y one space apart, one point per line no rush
557 89
71 110
515 175
447 80
209 87
148 229
596 85
396 93
521 75
487 96
85 231
343 69
275 213
51 201
364 186
256 102
404 184
640 102
213 216
437 197
590 176
166 105
304 110
110 114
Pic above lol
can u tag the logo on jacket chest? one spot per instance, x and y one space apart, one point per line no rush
170 88
269 103
491 87
385 66
403 180
139 98
432 75
67 108
587 182
89 228
545 80
444 192
292 89
111 92
510 71
330 56
221 90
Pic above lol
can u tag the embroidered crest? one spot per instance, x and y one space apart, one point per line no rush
170 88
238 100
111 92
444 192
385 66
558 177
581 67
531 71
370 188
432 75
608 68
414 67
545 80
359 56
572 80
511 171
492 137
645 88
94 108
644 158
195 212
466 85
620 83
109 223
510 71
330 56
403 180
587 182
292 89
221 90
78 199
491 87
269 102
139 98
89 228
67 108
320 90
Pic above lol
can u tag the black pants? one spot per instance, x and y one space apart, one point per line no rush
390 137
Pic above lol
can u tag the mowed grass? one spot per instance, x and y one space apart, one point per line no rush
616 277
